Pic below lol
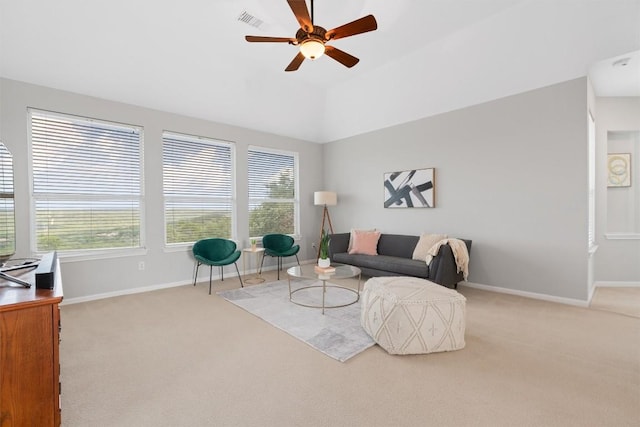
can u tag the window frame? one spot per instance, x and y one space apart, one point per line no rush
591 220
296 199
7 198
232 179
86 254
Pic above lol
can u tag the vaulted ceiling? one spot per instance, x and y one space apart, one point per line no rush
427 56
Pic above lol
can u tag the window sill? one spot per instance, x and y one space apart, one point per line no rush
106 254
178 247
182 247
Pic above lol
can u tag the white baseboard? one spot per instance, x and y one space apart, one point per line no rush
69 301
617 285
77 300
543 297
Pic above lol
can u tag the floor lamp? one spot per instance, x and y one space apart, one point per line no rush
325 198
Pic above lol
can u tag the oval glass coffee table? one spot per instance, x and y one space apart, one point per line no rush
308 271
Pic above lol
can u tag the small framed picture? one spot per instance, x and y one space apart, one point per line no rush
410 189
619 170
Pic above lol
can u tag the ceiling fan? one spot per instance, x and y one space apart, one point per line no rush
312 39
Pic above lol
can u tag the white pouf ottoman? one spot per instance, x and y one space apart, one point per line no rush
407 315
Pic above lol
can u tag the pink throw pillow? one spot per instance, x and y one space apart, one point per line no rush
353 231
365 242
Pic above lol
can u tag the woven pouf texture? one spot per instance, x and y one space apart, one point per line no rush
407 315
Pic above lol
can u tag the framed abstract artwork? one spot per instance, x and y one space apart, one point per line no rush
410 189
619 170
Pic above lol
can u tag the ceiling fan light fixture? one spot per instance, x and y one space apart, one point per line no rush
312 48
310 39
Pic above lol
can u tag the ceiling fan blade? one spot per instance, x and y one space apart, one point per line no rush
359 26
269 39
299 8
295 64
341 56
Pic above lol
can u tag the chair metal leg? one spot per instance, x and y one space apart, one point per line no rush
210 276
195 276
222 273
261 262
239 277
297 259
278 266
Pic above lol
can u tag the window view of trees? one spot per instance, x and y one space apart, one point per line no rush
275 217
272 192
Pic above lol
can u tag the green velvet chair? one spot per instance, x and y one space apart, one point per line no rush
279 246
218 252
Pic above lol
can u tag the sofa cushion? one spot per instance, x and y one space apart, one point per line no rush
339 243
397 245
364 242
395 265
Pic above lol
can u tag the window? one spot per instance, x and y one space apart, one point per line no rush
273 193
198 184
7 206
86 183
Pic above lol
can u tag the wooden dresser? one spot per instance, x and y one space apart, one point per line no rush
29 354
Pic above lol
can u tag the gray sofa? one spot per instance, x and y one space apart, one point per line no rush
394 259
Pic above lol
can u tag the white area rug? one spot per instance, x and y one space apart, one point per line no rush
337 333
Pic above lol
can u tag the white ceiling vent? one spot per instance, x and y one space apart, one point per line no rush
623 62
248 18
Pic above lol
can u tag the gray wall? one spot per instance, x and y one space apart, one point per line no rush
511 175
84 277
616 260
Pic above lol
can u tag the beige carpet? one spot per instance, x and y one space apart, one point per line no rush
181 357
617 300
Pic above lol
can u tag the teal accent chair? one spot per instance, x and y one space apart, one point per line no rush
218 252
279 246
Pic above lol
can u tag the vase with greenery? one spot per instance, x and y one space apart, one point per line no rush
253 244
323 260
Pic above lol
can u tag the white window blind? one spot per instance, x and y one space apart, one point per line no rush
7 205
198 188
273 195
86 183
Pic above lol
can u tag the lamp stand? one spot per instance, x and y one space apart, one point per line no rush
325 216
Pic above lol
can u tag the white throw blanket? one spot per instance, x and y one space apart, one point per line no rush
460 253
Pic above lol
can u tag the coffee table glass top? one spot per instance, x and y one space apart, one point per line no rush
307 271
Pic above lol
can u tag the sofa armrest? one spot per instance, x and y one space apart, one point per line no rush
443 269
339 243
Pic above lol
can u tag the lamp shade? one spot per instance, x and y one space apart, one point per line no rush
329 198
